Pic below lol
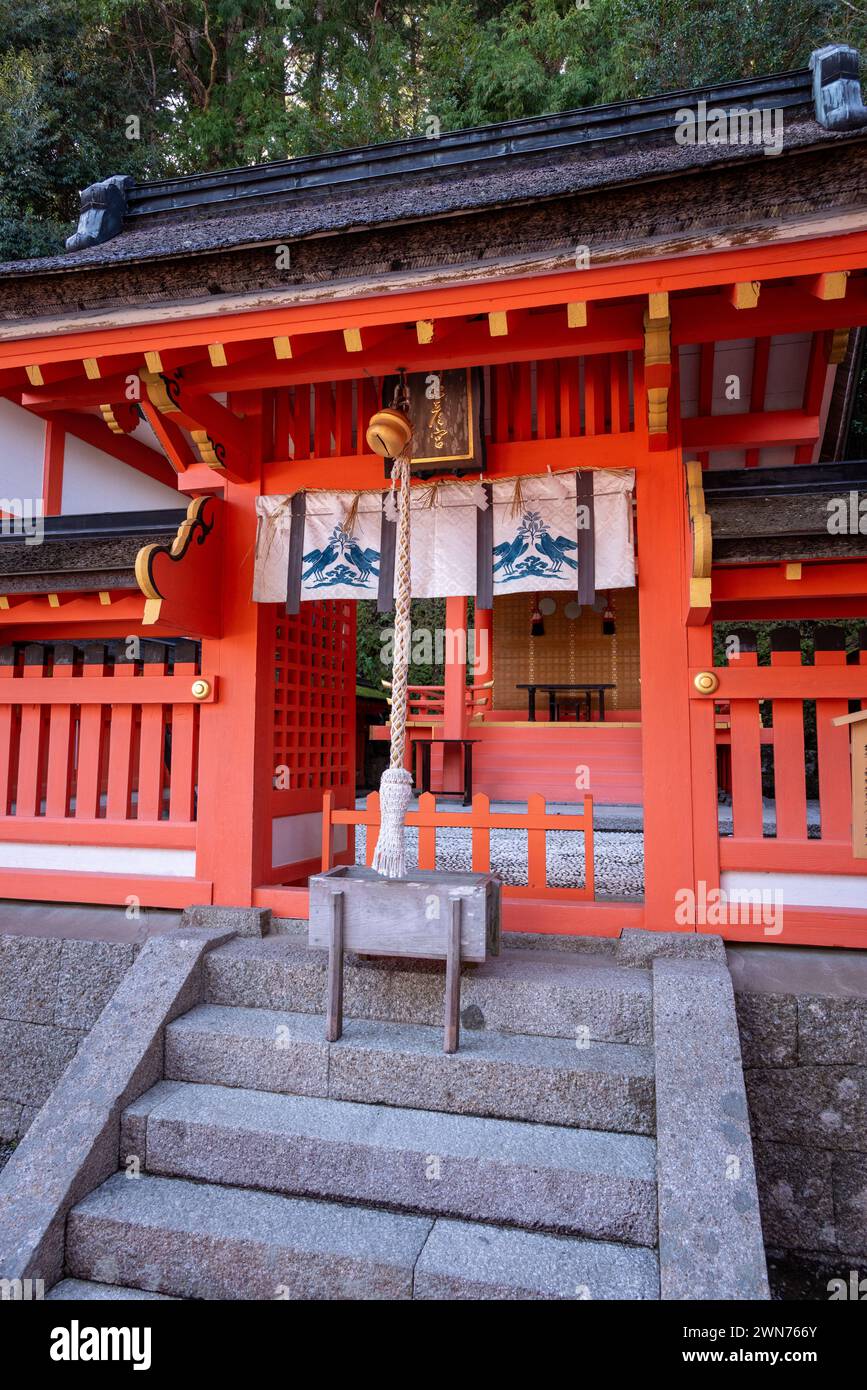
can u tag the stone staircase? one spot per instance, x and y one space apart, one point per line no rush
271 1164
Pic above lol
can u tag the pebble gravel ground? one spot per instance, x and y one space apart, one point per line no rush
618 857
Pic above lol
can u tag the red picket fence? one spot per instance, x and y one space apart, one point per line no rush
96 748
480 820
765 710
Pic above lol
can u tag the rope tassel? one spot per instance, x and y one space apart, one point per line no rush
395 788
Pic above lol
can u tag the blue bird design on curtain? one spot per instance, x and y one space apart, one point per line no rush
547 554
341 561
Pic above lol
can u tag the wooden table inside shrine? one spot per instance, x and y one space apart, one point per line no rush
467 745
587 688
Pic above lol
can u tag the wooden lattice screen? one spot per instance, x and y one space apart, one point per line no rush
572 649
314 706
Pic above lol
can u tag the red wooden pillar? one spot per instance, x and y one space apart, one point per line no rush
704 783
52 468
455 681
483 655
680 801
235 732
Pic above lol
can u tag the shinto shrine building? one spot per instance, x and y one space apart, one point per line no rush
632 344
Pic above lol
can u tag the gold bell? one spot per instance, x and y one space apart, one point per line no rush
389 432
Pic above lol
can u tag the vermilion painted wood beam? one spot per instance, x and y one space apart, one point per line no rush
757 582
172 438
667 755
78 615
610 329
785 683
52 468
781 309
842 243
791 610
503 460
77 392
221 424
615 329
751 430
325 360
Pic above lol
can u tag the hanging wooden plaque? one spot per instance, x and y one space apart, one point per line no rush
446 409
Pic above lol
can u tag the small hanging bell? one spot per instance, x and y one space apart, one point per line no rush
609 625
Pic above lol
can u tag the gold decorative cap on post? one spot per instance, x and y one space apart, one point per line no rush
706 682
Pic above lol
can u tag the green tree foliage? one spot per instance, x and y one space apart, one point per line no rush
64 84
374 630
668 45
217 83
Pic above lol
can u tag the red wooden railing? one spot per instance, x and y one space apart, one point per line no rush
480 820
426 703
764 708
97 748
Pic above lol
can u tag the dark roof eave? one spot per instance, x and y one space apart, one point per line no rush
114 253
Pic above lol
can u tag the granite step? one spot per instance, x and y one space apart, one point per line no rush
547 992
465 1261
197 1240
551 1178
81 1289
601 1086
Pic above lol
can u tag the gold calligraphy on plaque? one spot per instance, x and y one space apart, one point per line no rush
438 427
446 410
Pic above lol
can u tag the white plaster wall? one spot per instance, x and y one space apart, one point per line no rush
95 482
296 838
800 890
92 481
99 859
22 443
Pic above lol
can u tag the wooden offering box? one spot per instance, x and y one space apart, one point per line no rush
427 915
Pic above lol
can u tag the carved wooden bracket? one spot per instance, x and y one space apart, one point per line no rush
221 438
121 419
181 582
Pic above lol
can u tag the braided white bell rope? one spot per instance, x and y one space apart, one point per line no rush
395 787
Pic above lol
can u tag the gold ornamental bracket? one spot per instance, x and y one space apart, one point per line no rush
857 723
701 532
121 419
220 437
181 581
657 366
